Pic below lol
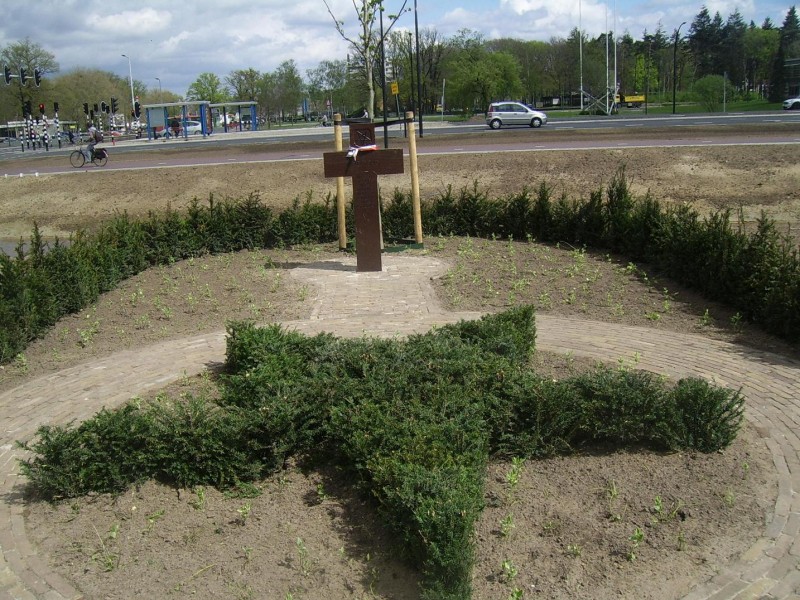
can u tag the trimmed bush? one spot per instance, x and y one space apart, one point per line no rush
758 275
622 407
707 418
104 454
414 421
511 333
40 287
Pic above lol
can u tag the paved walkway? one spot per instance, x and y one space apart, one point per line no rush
399 301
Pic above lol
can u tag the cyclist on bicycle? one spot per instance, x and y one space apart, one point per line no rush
93 139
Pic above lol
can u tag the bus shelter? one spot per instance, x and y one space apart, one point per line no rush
158 115
234 116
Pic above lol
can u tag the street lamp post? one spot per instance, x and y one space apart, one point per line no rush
675 65
411 70
419 69
580 46
130 75
158 79
647 75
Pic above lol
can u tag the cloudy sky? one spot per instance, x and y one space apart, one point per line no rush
176 41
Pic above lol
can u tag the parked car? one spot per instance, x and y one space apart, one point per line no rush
792 104
194 127
176 128
502 114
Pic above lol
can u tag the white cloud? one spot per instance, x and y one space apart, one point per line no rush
172 43
178 42
143 22
726 7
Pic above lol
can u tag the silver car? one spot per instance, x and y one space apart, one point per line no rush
792 104
501 114
194 128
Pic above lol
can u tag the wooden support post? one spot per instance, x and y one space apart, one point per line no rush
340 203
364 167
412 155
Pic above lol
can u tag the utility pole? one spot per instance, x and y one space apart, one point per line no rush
675 65
419 70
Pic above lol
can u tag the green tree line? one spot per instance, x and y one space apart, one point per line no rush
471 69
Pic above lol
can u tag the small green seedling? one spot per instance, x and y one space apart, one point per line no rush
152 518
244 513
507 525
302 552
516 594
510 571
574 550
637 537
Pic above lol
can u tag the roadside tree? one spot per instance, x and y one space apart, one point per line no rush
209 87
367 43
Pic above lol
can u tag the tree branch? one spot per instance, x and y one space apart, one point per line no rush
340 24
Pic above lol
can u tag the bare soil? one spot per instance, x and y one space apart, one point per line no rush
567 530
754 178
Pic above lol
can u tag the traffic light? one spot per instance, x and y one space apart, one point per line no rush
95 108
27 110
137 109
41 108
114 105
55 107
7 70
104 106
86 108
37 76
23 75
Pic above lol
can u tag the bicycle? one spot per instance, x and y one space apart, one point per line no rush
99 157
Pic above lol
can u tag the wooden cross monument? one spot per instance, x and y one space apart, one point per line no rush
364 162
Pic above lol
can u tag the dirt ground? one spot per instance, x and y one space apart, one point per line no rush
755 178
596 525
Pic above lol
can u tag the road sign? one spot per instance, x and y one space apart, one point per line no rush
395 88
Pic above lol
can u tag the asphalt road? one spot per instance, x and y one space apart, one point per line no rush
308 143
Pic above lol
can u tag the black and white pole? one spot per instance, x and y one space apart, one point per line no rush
45 133
57 129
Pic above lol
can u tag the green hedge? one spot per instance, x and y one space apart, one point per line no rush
758 274
45 283
415 421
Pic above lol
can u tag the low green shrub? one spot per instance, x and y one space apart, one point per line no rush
758 275
104 454
535 417
414 421
49 281
707 418
511 333
196 442
621 407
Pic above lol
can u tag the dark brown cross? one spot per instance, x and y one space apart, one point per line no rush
364 167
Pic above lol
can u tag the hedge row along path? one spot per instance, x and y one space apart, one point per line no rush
395 302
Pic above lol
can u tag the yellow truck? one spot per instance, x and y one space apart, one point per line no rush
632 100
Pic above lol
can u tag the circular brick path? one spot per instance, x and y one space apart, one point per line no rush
395 302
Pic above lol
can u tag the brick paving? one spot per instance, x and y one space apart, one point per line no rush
395 302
